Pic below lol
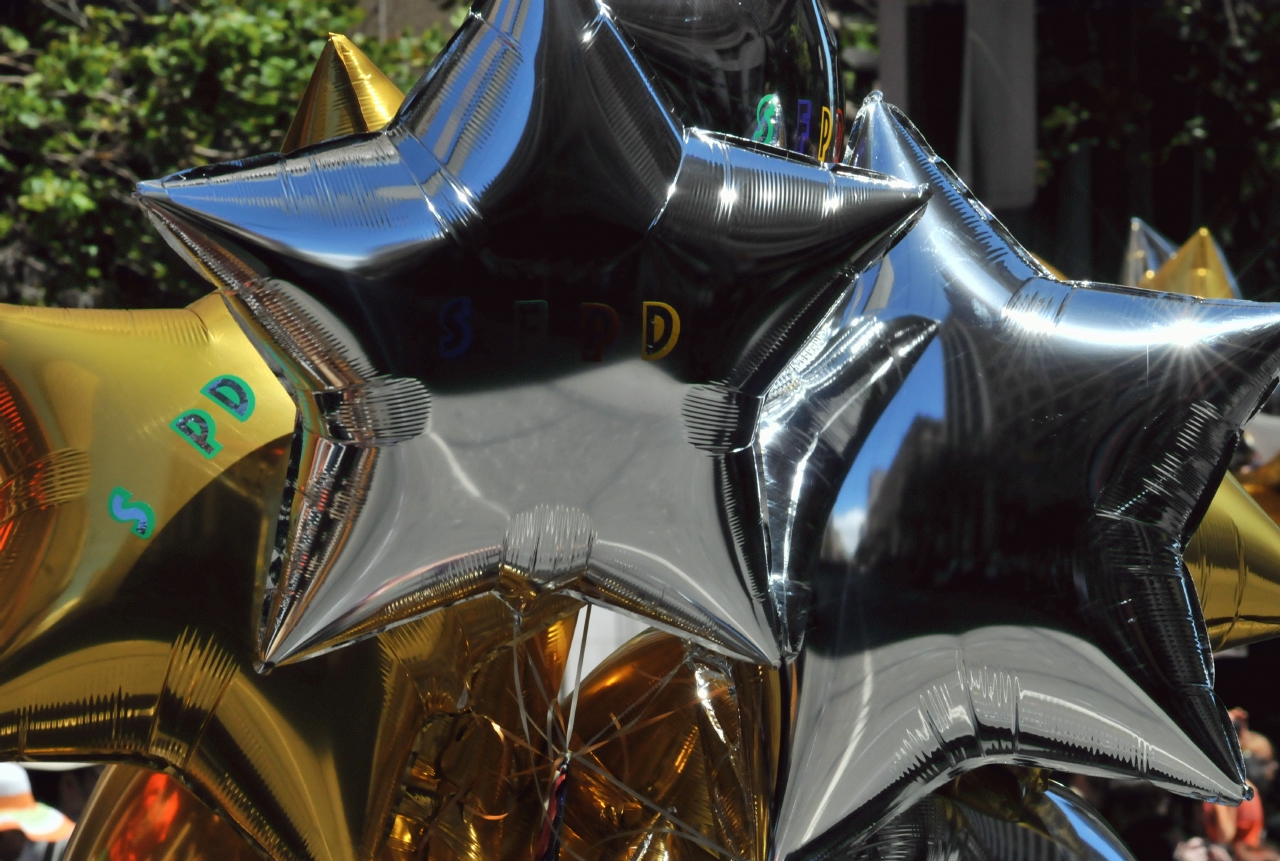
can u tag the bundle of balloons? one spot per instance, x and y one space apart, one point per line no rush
605 313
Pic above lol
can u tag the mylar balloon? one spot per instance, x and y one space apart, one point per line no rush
1145 252
145 455
1234 554
529 326
762 70
127 635
1198 268
549 342
136 814
998 813
1001 578
1234 560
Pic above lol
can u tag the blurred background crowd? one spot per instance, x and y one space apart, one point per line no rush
1158 826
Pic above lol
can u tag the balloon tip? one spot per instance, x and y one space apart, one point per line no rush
150 188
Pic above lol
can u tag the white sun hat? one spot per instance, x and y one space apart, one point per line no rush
20 810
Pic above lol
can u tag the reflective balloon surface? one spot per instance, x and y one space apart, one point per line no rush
1198 268
1001 576
1145 252
1234 559
1234 554
347 94
674 754
998 814
130 636
897 516
529 326
486 758
136 814
145 457
763 70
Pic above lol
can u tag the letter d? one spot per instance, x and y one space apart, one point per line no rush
661 330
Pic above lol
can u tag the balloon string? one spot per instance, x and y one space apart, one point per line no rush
680 829
519 691
577 683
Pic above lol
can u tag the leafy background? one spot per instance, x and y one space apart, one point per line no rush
95 98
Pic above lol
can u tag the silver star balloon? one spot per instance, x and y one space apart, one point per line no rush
1146 251
1000 577
529 327
997 814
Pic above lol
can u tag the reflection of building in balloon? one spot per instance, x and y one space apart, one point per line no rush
1035 524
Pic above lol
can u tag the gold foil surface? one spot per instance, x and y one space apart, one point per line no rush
132 555
1263 484
1197 269
675 752
1234 559
471 787
136 814
347 94
485 754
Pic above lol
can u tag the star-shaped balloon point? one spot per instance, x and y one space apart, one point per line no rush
1011 586
130 637
1198 268
530 325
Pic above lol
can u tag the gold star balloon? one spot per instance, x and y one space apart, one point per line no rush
472 786
347 94
129 637
673 751
1145 251
1198 268
144 456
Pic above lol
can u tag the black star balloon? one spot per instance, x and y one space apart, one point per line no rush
1001 575
998 814
529 326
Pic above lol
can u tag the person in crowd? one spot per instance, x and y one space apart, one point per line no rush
29 830
1243 829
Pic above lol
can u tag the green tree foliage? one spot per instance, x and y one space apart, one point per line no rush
96 98
1179 103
